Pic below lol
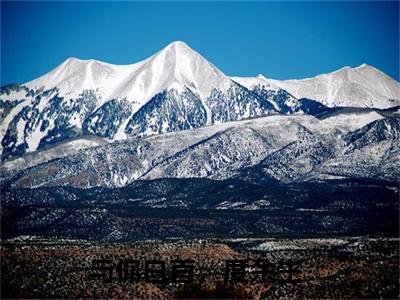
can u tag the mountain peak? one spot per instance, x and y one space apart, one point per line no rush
178 45
71 59
363 65
178 63
178 49
362 86
262 77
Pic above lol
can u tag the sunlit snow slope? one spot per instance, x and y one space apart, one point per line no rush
363 86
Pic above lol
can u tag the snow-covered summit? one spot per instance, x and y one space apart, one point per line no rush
175 66
75 75
178 66
362 86
179 63
174 89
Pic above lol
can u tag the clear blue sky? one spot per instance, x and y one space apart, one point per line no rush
278 39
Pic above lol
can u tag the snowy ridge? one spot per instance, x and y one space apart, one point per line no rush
174 67
363 86
175 89
110 101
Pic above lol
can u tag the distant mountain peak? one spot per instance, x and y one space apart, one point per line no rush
362 86
361 68
177 49
261 76
178 45
72 59
363 65
176 65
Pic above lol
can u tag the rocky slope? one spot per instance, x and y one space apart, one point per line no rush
274 148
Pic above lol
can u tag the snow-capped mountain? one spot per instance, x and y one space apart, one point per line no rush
175 67
363 86
175 89
87 148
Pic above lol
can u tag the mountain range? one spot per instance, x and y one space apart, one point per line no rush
175 115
